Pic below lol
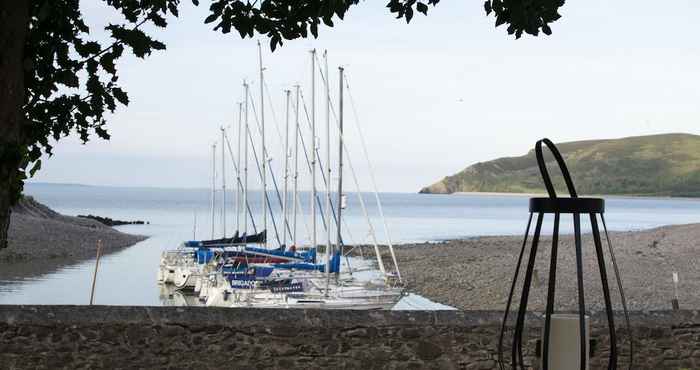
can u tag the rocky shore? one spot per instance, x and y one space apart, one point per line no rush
475 274
42 240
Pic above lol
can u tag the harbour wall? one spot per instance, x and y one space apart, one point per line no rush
50 337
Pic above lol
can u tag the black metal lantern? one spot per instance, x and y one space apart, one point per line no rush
594 209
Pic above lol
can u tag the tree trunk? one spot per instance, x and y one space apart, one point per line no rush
14 24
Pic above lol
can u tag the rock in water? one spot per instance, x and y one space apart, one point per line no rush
111 222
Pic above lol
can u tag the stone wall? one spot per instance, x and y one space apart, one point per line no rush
52 337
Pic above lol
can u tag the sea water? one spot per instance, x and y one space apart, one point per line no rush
128 277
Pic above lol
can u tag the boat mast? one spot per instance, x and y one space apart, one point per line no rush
286 171
329 229
213 188
223 183
264 151
339 239
374 185
313 146
238 171
256 161
245 164
296 169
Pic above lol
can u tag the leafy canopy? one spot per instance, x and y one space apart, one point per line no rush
71 80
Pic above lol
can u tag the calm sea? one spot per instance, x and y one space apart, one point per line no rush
129 277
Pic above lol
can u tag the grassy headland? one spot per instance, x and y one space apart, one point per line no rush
655 165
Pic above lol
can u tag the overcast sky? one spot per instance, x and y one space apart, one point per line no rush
434 96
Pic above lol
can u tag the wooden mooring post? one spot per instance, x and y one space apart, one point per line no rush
94 275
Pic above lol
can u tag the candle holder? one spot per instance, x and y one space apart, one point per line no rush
593 208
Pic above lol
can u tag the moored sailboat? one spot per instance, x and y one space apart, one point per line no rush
243 271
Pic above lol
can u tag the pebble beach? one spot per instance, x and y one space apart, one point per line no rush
42 240
476 273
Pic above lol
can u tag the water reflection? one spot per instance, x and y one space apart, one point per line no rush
171 296
128 277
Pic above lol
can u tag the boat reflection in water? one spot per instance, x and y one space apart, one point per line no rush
172 297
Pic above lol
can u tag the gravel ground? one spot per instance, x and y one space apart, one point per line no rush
476 274
41 240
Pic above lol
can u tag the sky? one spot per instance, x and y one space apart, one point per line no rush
432 97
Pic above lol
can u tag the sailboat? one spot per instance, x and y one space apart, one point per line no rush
241 270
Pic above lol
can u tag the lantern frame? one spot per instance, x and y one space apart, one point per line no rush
576 206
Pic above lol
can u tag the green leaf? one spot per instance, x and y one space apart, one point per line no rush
211 18
158 20
140 43
68 78
91 66
173 9
501 19
394 6
101 132
120 95
314 30
157 45
107 63
35 167
87 49
546 29
422 8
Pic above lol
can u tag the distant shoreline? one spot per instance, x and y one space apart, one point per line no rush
531 195
497 194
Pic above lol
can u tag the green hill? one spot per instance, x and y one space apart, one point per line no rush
658 165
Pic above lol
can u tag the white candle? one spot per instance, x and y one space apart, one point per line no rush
565 342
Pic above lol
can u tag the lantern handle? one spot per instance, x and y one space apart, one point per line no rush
562 166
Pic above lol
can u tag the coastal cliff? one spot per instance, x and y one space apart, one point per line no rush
655 165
